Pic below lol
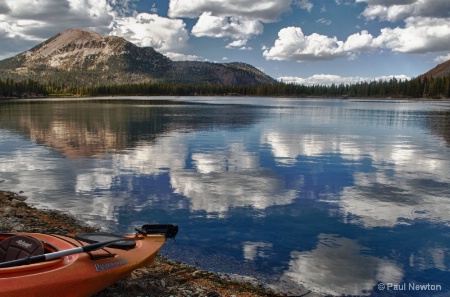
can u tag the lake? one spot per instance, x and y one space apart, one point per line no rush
343 197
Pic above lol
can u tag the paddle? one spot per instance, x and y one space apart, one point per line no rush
59 254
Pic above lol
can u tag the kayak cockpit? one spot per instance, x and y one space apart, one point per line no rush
13 246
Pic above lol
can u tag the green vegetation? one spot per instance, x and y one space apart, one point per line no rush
415 88
26 88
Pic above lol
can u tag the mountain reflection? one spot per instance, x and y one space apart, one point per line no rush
334 195
82 128
439 123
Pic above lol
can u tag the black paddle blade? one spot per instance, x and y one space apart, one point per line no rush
99 245
168 230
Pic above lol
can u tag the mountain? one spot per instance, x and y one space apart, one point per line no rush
88 58
439 71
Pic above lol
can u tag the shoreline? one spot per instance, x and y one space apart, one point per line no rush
350 98
163 278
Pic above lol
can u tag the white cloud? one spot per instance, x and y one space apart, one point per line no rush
222 26
144 29
182 57
27 22
420 35
388 10
324 21
328 79
362 41
240 44
427 24
442 58
154 9
265 11
54 15
293 45
237 19
304 4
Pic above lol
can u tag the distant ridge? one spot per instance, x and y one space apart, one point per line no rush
81 57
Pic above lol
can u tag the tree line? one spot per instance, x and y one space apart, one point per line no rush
18 89
427 87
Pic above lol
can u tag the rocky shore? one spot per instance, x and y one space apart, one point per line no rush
164 278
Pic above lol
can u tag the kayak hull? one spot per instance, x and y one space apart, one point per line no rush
80 274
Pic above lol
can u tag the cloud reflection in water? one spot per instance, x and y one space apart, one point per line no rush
338 267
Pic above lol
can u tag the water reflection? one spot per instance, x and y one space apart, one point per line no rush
229 178
254 250
330 194
81 128
439 123
338 266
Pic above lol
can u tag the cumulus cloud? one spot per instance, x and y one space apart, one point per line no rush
392 11
420 35
240 44
51 16
265 11
328 79
426 26
293 45
362 41
144 29
222 26
25 23
237 19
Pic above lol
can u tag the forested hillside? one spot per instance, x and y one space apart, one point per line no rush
18 89
427 87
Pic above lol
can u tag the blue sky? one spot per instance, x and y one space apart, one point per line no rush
304 41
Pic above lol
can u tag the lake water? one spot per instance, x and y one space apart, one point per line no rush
340 196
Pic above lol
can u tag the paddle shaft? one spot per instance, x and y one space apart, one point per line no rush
59 254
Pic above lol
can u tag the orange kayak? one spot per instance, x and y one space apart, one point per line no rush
81 273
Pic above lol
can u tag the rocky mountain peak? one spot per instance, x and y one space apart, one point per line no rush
88 58
71 38
73 49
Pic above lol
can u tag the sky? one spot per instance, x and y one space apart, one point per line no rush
301 41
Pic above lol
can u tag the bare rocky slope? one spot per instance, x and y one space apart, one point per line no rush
440 70
88 58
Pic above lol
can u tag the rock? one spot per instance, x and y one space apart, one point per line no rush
17 203
20 197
